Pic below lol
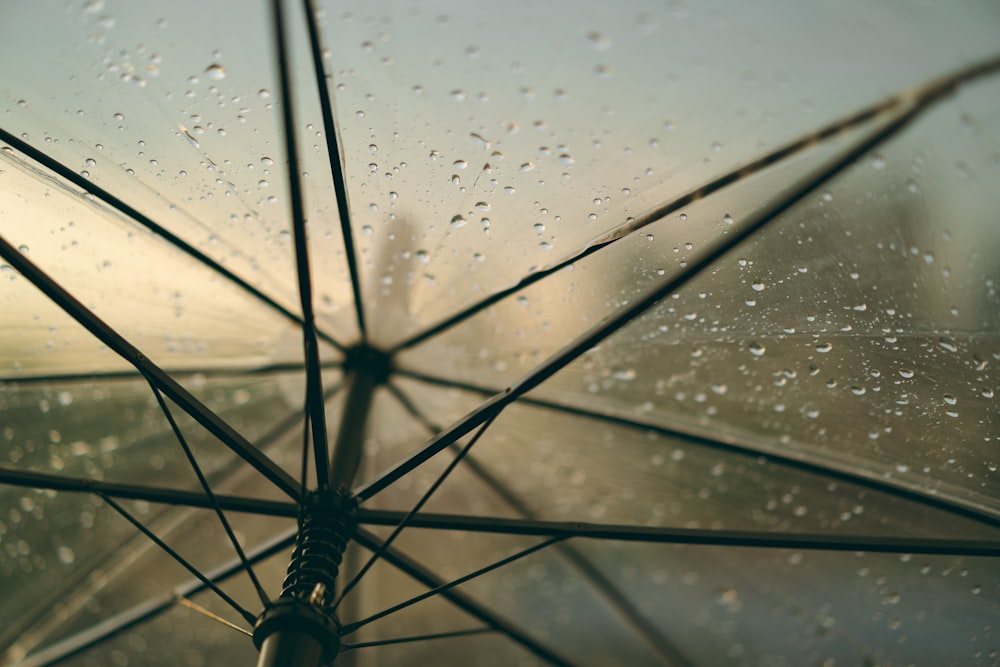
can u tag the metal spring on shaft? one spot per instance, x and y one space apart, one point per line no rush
319 549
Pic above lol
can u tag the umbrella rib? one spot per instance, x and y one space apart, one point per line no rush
107 335
437 590
207 488
380 552
920 96
694 536
269 369
247 616
316 410
467 604
665 650
828 470
416 638
140 613
920 99
153 494
119 205
209 614
336 165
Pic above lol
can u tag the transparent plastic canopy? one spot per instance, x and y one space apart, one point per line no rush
690 310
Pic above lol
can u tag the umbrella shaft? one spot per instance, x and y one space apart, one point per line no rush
361 381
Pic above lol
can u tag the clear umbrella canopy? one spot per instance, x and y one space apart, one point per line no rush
684 315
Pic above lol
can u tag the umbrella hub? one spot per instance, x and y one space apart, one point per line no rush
369 361
301 627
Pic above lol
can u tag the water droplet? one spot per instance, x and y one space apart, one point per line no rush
262 183
598 41
906 373
858 391
460 164
878 162
458 95
947 345
216 71
373 148
482 206
477 138
727 219
527 166
758 286
66 555
824 347
756 349
458 222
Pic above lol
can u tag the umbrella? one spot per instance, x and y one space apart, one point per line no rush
535 333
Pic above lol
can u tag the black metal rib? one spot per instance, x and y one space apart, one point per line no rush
153 494
828 470
27 479
655 640
117 204
694 536
438 590
336 165
223 372
416 638
207 488
920 100
416 508
247 616
314 385
929 93
204 416
114 626
420 573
